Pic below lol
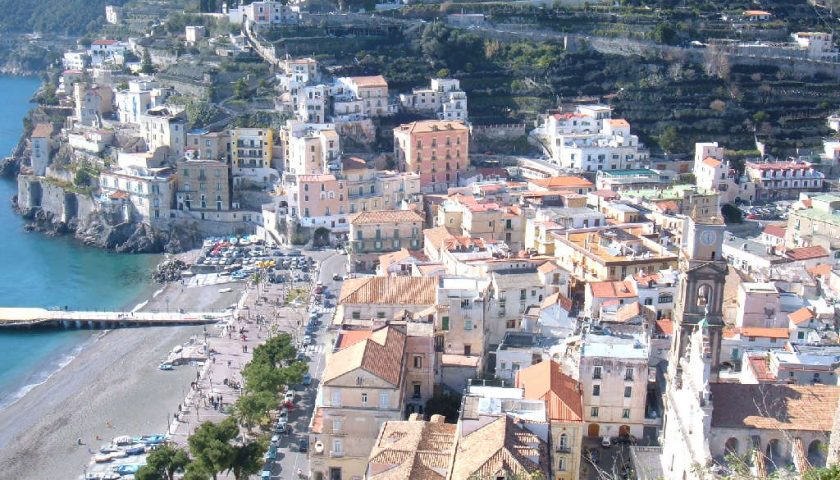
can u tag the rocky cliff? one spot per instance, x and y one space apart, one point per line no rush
52 209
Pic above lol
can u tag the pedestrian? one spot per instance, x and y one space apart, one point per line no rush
79 441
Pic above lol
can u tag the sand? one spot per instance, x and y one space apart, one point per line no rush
114 379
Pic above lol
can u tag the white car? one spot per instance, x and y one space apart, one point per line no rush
290 396
606 442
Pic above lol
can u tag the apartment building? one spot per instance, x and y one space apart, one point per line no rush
375 232
713 173
372 90
251 148
817 225
203 186
264 14
362 387
460 331
163 127
143 194
140 96
310 149
40 148
91 103
613 373
312 103
206 145
319 201
589 139
779 180
513 292
444 99
546 382
464 216
371 189
365 300
610 253
436 150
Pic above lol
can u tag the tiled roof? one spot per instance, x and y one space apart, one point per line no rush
619 122
565 181
802 315
546 267
389 291
712 162
557 299
381 355
369 81
353 163
757 13
561 393
763 332
42 130
760 368
774 407
666 326
437 236
628 312
104 42
775 230
428 126
610 289
647 279
412 450
373 217
497 448
806 253
347 338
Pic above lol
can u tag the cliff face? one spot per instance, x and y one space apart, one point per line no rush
53 210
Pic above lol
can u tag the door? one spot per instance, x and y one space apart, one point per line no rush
624 431
594 429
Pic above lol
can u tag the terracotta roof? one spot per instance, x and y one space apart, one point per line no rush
565 181
606 194
437 236
560 392
667 205
666 326
610 289
369 81
761 368
548 266
387 259
347 338
628 312
647 279
806 253
316 178
802 315
372 217
774 407
459 360
755 13
353 163
317 420
775 230
764 332
42 130
118 195
712 162
497 448
428 126
412 450
381 354
618 122
389 291
104 42
557 299
820 270
779 166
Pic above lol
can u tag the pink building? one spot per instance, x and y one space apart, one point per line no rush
437 150
321 201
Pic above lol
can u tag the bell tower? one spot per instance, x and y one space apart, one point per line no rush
700 295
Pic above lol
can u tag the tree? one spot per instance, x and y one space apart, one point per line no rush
670 140
664 33
252 408
825 473
240 88
163 463
443 73
247 459
211 448
146 65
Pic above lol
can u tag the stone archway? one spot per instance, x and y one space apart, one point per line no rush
731 446
774 454
593 430
321 237
817 453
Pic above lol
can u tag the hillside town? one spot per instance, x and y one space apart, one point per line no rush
594 310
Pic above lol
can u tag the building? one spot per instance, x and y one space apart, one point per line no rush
319 201
444 98
412 448
613 373
464 216
371 189
91 104
113 14
589 139
162 127
194 33
138 98
138 194
372 90
779 180
311 149
817 225
203 187
818 45
436 150
460 332
375 232
251 152
633 179
367 299
546 382
715 174
362 387
264 14
40 148
206 145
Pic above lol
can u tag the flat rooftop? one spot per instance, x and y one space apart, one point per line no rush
625 347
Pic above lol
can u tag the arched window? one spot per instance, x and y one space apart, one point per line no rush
704 294
564 441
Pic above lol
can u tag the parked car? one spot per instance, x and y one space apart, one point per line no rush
307 379
290 396
303 445
606 442
337 277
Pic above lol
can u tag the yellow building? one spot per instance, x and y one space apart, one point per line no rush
251 148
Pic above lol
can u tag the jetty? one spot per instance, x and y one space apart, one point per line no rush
41 317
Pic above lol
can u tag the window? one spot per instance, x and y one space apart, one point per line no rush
416 390
561 464
648 301
628 374
596 390
336 398
357 315
380 314
337 448
596 372
625 413
444 323
593 412
383 399
364 398
510 324
468 324
564 442
628 392
337 425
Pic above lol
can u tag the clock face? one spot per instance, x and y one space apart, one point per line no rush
708 237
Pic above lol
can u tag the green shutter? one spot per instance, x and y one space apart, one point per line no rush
445 321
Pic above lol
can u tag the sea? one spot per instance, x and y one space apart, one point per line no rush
50 272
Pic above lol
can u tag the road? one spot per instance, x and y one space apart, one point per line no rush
289 459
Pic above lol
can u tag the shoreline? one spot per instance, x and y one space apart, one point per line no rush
113 379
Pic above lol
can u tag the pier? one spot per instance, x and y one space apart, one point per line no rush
41 317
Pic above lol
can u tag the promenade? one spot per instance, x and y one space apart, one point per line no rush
38 317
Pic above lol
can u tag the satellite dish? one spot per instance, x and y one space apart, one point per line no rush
319 446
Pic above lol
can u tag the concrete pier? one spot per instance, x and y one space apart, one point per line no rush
40 317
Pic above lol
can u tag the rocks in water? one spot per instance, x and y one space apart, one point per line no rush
9 167
169 270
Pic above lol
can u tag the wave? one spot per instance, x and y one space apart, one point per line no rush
53 367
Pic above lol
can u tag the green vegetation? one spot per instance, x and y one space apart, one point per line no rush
297 293
163 463
67 17
731 214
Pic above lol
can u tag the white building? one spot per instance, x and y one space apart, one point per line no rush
265 14
76 60
163 128
589 140
112 14
714 174
40 149
312 103
311 148
372 90
444 98
141 95
138 193
194 33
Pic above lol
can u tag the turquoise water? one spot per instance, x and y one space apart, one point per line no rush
39 271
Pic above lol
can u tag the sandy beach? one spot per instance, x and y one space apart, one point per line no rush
115 379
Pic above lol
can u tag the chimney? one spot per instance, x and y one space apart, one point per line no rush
436 418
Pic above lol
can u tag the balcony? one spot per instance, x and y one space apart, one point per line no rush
336 454
564 449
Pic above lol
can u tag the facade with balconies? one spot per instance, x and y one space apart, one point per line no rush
444 98
373 233
784 180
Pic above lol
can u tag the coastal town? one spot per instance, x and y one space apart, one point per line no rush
374 272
